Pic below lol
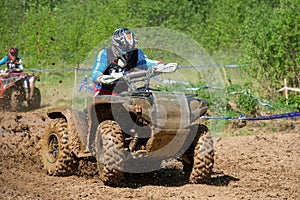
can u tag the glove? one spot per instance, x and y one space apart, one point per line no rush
108 79
166 68
105 79
172 66
117 75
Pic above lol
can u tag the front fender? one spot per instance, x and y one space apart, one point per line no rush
77 122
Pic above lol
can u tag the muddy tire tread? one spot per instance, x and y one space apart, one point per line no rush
109 145
203 159
66 163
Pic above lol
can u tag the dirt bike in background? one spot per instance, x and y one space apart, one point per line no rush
18 93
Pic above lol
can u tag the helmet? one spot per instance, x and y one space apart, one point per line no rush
123 41
14 51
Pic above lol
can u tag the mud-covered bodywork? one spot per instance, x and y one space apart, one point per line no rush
133 132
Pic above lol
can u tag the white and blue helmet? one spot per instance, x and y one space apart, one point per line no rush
124 41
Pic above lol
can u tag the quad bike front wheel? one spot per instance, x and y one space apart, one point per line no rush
35 102
56 156
200 156
109 145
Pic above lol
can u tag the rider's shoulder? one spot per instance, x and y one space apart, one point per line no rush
103 52
5 57
140 51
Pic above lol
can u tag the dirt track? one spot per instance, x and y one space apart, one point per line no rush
266 166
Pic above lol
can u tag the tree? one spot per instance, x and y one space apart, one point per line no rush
270 41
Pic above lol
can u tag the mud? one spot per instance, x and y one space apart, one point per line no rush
262 165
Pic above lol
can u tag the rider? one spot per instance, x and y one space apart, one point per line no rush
14 63
117 60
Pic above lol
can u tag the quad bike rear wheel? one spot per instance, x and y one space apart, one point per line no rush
200 156
15 99
109 145
56 156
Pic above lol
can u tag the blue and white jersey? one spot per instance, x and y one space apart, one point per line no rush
11 64
101 63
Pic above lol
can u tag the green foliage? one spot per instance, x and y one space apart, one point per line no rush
247 102
244 98
172 14
270 36
263 35
294 101
221 28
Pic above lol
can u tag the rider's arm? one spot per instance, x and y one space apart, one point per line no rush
20 64
3 61
144 62
100 65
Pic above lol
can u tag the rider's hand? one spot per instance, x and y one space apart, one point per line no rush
166 68
159 66
106 79
117 75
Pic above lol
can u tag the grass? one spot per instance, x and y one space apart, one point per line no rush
60 88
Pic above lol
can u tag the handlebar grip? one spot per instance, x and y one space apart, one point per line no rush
137 74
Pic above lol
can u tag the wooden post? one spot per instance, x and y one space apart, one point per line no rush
286 92
75 80
225 75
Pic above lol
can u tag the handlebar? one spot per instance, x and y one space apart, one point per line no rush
153 71
18 75
146 75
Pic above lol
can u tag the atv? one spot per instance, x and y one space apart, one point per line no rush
16 93
132 132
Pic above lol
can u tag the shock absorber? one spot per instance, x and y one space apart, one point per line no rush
133 143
